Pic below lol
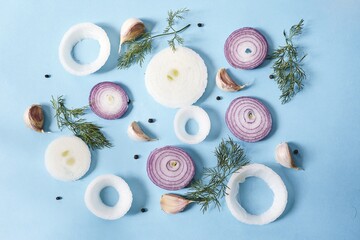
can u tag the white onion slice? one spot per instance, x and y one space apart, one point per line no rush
176 79
108 100
94 203
272 179
76 34
196 113
245 48
67 158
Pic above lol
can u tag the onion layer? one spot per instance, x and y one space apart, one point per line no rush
200 116
108 100
170 168
176 79
275 183
74 35
95 204
245 48
248 119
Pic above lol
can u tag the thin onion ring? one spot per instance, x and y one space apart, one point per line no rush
74 35
272 179
94 203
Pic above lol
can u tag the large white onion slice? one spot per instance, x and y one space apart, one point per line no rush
94 203
275 183
74 35
67 158
197 114
176 79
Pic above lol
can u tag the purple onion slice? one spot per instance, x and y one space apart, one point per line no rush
248 119
108 100
245 48
170 168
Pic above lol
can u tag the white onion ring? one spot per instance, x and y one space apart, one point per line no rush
94 203
248 119
108 100
196 113
272 179
67 158
76 34
245 48
176 79
170 168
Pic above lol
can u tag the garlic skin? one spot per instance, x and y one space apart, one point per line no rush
131 29
283 156
172 203
225 83
34 117
136 133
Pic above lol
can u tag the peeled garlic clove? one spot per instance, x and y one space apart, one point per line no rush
135 132
283 156
131 29
172 203
225 83
34 118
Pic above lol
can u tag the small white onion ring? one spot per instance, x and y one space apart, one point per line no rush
272 179
196 113
74 35
176 79
245 48
94 203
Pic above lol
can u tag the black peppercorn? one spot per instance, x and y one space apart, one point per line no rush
58 198
136 156
129 101
296 151
151 120
200 24
143 210
218 98
271 76
47 76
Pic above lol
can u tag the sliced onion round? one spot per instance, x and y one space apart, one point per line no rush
272 179
245 48
97 206
108 100
248 119
170 168
176 79
67 158
74 35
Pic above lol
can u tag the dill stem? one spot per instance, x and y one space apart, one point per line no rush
169 33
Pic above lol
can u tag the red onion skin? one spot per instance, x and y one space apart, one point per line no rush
165 176
244 36
92 102
244 127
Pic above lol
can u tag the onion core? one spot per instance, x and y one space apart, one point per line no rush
108 100
248 119
170 168
245 48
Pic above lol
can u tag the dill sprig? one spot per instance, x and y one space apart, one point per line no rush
71 119
211 188
288 72
137 49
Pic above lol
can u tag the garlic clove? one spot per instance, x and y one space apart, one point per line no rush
136 133
283 156
172 203
131 29
34 117
225 83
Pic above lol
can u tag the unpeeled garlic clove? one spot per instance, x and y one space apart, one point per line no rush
225 83
34 117
172 203
135 132
131 29
283 156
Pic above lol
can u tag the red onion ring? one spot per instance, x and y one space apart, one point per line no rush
108 100
248 119
170 168
245 48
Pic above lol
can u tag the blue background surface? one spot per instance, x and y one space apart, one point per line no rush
322 121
